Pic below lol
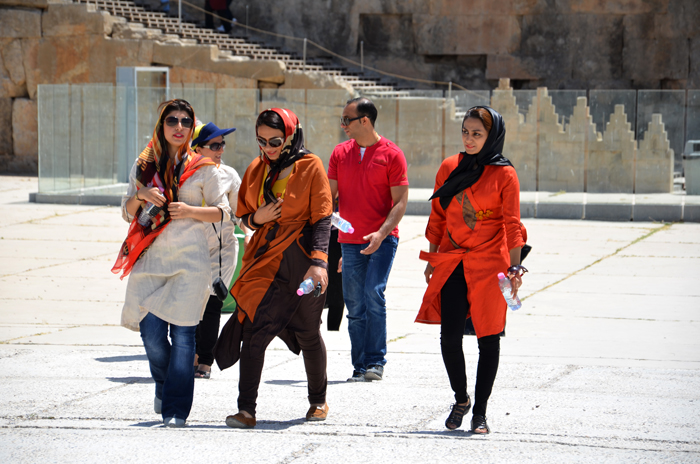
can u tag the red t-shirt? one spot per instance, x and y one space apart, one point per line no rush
364 185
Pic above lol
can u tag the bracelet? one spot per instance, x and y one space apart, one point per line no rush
137 196
517 270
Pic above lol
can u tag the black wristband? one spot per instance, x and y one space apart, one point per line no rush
517 270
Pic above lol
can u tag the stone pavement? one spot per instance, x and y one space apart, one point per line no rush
602 363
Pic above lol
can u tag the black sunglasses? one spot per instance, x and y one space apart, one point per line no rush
216 146
274 142
172 121
345 121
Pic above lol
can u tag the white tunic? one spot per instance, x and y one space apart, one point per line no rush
229 249
172 280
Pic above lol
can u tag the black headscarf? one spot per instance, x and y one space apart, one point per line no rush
292 149
469 170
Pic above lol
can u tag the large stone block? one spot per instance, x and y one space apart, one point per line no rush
12 78
510 66
69 20
313 80
184 75
17 23
206 58
479 7
694 71
614 7
495 34
5 126
25 134
656 59
32 73
43 4
13 63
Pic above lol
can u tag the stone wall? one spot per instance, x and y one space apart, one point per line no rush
563 44
42 42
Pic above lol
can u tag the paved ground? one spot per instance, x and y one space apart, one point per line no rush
602 363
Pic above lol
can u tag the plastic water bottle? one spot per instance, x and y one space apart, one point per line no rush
507 290
148 212
306 286
341 224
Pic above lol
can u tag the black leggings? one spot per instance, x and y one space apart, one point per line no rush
454 315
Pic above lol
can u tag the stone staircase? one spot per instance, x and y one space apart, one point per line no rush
164 27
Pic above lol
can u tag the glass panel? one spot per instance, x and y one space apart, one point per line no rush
603 105
524 98
322 130
238 108
292 99
98 136
54 151
564 101
420 136
692 131
668 103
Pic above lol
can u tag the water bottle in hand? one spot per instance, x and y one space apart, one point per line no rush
507 290
306 287
341 224
148 212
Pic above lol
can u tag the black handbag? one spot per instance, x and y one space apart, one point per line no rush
220 288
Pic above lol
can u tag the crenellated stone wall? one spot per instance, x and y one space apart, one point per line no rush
576 158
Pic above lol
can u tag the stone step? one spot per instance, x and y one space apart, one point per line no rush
167 28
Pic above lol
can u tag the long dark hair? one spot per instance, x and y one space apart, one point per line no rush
165 109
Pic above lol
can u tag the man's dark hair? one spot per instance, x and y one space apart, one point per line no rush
365 107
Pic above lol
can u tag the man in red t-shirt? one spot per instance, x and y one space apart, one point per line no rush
368 173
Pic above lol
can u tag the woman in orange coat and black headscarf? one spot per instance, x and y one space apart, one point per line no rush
474 233
285 198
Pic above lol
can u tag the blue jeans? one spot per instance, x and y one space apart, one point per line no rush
172 367
364 282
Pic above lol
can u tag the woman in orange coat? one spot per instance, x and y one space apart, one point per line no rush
285 198
474 233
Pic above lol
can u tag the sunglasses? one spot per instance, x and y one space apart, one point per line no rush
172 121
345 121
216 146
274 142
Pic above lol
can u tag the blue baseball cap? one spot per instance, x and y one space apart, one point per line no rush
208 131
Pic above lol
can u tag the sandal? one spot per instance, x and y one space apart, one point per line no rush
479 425
454 420
202 374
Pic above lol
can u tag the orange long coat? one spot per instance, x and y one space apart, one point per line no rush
307 200
479 227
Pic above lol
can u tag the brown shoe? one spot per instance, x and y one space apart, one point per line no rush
317 413
239 421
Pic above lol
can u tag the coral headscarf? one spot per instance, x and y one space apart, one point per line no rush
292 150
157 169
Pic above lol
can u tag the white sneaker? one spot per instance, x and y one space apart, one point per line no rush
174 422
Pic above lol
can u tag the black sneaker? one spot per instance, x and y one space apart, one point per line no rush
357 377
374 373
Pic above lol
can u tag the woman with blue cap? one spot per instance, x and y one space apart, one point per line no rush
208 141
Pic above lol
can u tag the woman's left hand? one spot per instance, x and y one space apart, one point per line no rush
318 275
180 210
516 281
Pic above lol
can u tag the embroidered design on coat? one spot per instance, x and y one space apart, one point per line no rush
481 215
468 213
